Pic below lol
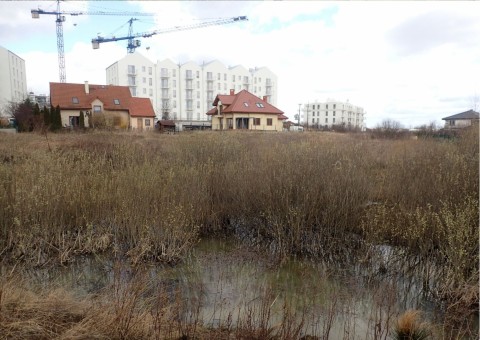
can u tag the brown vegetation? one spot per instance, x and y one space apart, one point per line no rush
331 197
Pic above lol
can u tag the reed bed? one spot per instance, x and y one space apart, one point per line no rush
328 196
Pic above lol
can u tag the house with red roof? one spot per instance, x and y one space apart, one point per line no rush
102 105
245 111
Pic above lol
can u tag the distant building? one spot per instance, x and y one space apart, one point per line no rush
107 105
13 78
333 113
245 111
461 120
41 99
185 92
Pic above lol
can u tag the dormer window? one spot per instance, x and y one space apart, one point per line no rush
74 100
97 108
116 102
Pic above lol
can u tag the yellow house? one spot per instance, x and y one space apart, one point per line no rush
245 111
102 106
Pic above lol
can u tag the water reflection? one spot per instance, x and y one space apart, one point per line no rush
222 282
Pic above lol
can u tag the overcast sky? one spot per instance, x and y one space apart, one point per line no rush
414 62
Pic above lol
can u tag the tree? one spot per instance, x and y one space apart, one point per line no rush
165 109
81 120
56 119
46 117
23 114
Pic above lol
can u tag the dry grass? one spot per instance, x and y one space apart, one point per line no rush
409 327
327 196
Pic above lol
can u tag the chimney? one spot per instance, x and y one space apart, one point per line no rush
265 99
87 88
232 92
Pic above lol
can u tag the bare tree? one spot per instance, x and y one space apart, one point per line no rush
166 109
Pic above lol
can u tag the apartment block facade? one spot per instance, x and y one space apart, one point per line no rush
331 112
185 92
13 78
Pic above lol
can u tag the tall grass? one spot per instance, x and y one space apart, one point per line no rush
332 197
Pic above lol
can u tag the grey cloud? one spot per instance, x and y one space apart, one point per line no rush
429 30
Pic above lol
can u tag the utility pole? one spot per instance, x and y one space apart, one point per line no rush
299 105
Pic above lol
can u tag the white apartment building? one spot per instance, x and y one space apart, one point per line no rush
326 114
13 78
185 92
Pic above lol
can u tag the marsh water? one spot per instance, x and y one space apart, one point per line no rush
223 282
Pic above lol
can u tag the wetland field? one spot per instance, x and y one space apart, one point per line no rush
238 235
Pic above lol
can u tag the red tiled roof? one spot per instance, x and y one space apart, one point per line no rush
282 117
244 102
141 107
62 94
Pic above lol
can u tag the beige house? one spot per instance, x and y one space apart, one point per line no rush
461 120
245 111
102 106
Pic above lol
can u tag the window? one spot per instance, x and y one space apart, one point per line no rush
334 111
150 92
74 100
334 106
131 69
269 121
219 86
150 81
260 105
326 120
144 91
147 122
326 106
224 77
245 103
174 72
256 121
144 80
174 93
174 104
143 68
198 94
198 104
326 113
218 76
116 102
233 78
334 120
189 74
209 76
174 82
133 90
97 108
150 71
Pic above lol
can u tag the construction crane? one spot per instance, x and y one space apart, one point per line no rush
134 43
59 21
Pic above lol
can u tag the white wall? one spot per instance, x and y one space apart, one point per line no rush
171 86
332 112
13 78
